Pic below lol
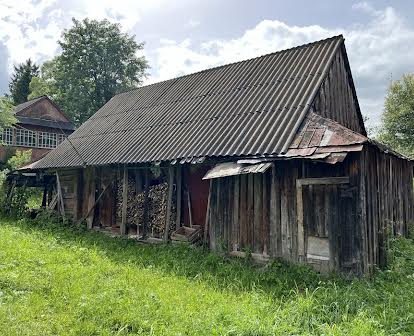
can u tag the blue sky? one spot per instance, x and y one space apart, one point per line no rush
184 36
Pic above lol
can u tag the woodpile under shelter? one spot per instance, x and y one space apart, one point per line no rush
267 156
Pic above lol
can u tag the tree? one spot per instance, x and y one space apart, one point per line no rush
398 118
46 82
7 118
20 81
97 62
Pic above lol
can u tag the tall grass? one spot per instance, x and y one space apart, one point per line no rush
58 280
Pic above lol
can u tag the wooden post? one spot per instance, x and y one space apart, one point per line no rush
207 222
90 183
178 219
146 203
169 202
301 231
236 224
123 228
44 198
61 208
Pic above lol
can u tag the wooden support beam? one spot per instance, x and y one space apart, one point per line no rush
44 197
324 180
94 205
236 210
138 181
123 228
146 203
179 190
207 222
169 202
61 205
299 214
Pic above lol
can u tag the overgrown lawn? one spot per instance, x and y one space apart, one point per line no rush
57 280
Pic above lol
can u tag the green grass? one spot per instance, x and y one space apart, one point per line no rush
62 281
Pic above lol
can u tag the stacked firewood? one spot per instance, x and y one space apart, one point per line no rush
157 208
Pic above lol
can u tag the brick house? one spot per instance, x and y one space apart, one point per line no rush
41 126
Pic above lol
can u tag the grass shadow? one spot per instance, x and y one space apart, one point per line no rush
278 278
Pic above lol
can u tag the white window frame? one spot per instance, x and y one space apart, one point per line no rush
25 138
7 136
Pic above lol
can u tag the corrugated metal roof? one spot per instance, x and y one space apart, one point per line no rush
246 108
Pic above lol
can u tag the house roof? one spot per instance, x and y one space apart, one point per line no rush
246 108
68 126
25 105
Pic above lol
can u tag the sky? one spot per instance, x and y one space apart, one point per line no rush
184 36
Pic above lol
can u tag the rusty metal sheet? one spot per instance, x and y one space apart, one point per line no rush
234 168
333 149
336 157
299 152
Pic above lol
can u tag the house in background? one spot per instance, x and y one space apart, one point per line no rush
41 127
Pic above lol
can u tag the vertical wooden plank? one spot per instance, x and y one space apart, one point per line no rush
273 211
146 204
61 207
212 213
44 197
284 216
243 211
179 182
169 202
299 216
138 181
208 213
250 211
190 210
265 213
257 216
235 219
123 228
219 216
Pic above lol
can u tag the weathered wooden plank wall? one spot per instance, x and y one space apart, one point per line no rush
258 212
335 99
389 201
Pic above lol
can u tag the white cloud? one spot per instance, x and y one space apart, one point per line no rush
31 28
192 23
377 49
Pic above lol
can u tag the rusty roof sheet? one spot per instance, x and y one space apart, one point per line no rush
318 135
246 108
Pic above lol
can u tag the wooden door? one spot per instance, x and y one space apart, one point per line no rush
326 218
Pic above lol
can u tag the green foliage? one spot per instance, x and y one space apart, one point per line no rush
7 117
18 205
45 84
58 280
398 118
19 159
20 81
97 62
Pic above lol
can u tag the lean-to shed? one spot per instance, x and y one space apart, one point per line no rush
268 155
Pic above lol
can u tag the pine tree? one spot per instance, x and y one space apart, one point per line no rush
20 82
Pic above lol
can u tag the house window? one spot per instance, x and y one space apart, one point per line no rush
7 137
25 138
61 138
47 140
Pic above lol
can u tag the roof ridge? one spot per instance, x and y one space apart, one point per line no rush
301 46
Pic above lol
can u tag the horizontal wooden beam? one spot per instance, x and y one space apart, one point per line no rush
323 180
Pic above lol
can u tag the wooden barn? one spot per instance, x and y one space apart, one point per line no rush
267 157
